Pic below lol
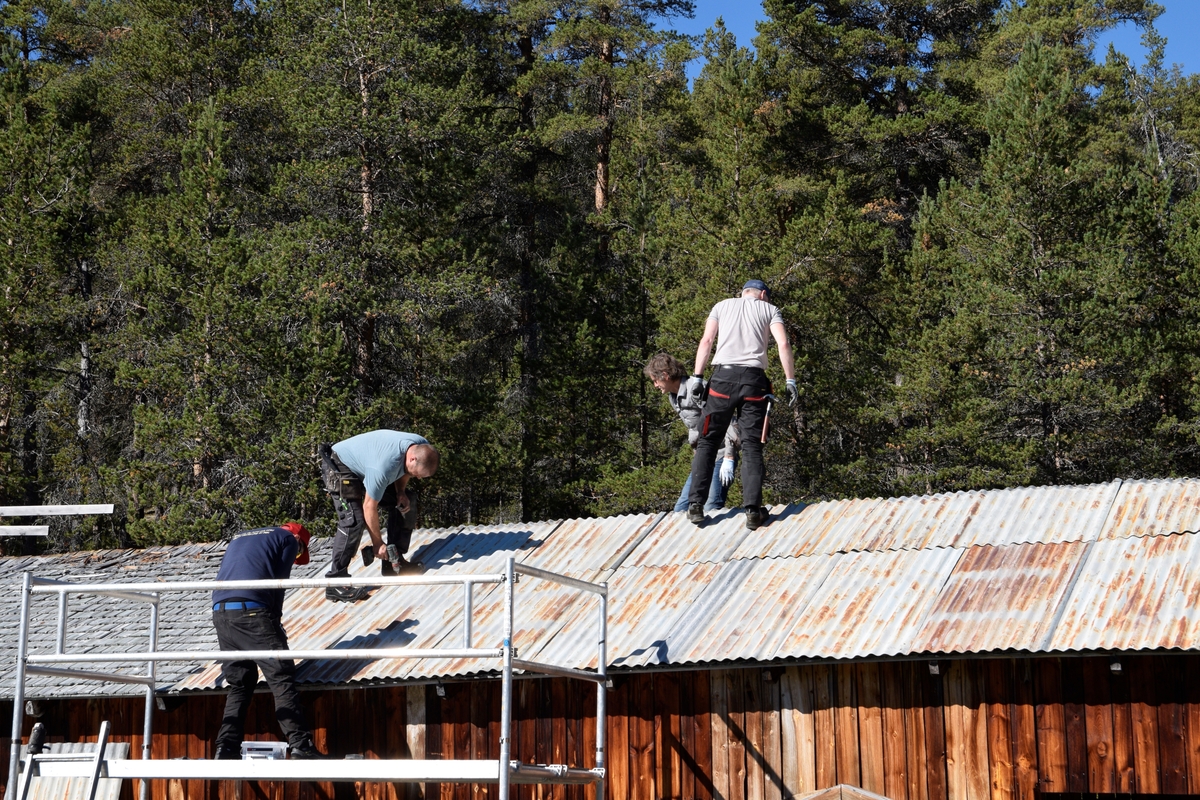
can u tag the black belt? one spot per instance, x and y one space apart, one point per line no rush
237 605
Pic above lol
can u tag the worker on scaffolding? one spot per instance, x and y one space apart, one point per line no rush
364 474
249 619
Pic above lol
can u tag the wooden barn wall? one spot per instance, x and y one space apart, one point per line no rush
997 729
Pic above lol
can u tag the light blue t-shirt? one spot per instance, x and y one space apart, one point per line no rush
378 456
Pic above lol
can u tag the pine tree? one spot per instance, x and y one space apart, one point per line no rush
1038 294
578 68
44 220
385 208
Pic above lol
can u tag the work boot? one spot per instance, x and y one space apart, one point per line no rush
347 594
695 513
228 753
755 516
305 751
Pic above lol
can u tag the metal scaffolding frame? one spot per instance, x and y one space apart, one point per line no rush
502 771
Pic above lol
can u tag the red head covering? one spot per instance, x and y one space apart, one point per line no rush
301 533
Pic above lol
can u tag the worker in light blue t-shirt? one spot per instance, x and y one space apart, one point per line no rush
366 473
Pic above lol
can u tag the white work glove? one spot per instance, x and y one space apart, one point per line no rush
694 389
726 471
793 394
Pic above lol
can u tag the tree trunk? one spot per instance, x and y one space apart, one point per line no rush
85 356
365 175
604 144
528 307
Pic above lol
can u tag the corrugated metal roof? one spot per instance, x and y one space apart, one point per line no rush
1108 566
1154 508
1135 594
748 609
870 604
588 548
677 541
1000 598
961 519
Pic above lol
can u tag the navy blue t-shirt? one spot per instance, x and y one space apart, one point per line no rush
258 555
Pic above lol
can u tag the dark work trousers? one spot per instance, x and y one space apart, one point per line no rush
352 522
257 629
732 390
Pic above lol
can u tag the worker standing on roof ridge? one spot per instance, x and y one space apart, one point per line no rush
742 328
667 375
366 473
249 619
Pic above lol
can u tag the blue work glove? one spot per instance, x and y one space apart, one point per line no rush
792 392
726 471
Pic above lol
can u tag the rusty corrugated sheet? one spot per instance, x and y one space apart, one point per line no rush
585 548
644 602
809 530
677 541
870 604
588 548
1138 593
422 616
746 612
960 519
1000 598
1154 508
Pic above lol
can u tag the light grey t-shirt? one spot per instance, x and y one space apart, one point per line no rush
378 456
743 331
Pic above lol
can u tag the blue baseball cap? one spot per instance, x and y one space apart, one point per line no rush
755 284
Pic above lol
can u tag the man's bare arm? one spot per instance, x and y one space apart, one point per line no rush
704 350
401 496
785 350
371 513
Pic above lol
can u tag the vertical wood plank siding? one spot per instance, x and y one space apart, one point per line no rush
994 729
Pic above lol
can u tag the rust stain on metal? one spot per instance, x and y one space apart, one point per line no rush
1000 598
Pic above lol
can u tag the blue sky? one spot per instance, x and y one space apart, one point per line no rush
1180 24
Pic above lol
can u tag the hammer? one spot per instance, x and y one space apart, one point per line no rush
767 419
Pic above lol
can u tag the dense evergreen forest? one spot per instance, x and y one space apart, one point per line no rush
233 229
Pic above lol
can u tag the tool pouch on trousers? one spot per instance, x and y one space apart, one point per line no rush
338 480
329 473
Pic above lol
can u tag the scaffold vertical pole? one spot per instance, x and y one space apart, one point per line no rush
602 693
148 721
18 721
506 682
61 636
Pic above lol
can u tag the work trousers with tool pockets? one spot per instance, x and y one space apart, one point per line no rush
733 390
257 629
352 522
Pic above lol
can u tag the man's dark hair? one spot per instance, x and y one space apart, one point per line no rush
664 363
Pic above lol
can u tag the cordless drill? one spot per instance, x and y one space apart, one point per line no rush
393 556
